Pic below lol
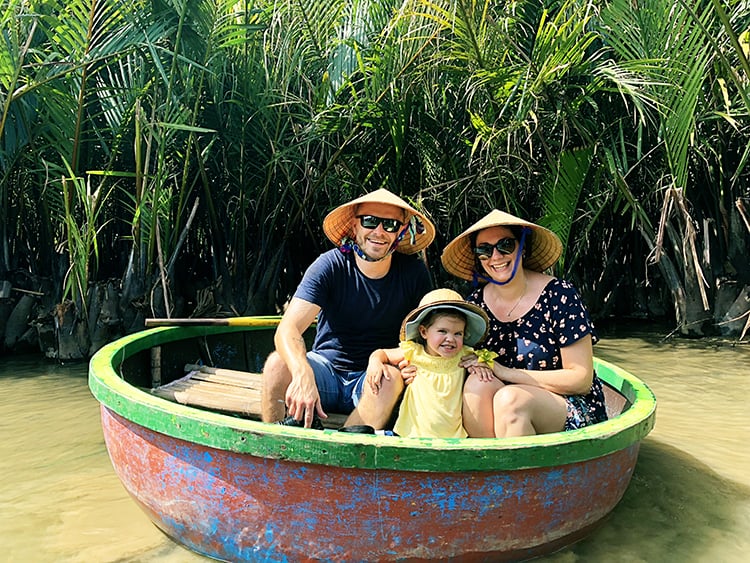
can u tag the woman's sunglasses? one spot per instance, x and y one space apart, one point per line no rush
504 246
372 222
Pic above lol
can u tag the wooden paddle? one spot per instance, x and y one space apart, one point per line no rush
228 321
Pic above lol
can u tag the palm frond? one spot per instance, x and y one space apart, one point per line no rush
667 31
561 192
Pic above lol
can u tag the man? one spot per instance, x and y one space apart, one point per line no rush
359 292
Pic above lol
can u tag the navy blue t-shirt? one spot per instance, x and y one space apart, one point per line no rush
359 314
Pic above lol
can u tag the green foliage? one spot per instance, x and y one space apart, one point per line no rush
561 192
81 237
223 131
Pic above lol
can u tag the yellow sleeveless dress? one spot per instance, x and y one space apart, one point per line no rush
431 407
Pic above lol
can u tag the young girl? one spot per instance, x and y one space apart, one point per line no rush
434 338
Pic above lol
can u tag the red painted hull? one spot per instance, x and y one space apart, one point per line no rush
236 506
240 490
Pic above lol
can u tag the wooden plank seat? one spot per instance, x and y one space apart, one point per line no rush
224 390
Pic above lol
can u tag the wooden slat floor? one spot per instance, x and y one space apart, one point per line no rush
224 390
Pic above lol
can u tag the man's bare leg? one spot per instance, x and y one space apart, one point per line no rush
276 379
375 410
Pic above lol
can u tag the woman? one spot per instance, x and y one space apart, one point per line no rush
544 381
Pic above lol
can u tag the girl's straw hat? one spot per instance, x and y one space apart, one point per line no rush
476 319
544 251
338 223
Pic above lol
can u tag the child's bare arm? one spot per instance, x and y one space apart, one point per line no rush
377 366
388 355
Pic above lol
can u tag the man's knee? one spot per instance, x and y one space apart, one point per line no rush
275 371
276 379
390 389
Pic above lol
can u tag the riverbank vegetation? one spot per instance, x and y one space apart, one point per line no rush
174 158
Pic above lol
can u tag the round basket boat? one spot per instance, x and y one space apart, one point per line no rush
236 489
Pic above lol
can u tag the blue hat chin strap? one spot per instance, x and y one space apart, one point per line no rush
477 277
348 246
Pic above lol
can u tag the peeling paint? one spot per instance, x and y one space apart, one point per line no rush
241 490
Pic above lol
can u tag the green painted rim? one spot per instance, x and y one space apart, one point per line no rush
357 450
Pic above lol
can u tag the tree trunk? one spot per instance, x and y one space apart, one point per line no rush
72 333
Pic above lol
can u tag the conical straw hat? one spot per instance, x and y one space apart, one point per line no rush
338 223
476 319
458 256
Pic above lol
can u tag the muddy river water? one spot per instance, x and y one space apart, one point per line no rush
688 501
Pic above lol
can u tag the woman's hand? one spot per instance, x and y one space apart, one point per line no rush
469 361
481 364
483 372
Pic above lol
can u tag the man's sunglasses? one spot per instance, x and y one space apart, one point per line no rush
372 222
504 246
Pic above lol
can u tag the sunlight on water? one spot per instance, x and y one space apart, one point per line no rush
61 500
689 499
701 389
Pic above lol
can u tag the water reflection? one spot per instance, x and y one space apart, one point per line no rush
689 499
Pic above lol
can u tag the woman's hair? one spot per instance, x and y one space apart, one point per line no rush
434 315
517 231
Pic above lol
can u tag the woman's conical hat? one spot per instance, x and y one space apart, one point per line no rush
458 256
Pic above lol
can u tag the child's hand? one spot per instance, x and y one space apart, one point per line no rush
376 371
408 371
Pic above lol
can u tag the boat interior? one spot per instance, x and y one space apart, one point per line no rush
222 373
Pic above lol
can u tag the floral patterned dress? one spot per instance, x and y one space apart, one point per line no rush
558 319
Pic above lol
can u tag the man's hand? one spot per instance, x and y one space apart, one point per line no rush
303 399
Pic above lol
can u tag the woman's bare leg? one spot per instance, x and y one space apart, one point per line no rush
524 410
478 418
